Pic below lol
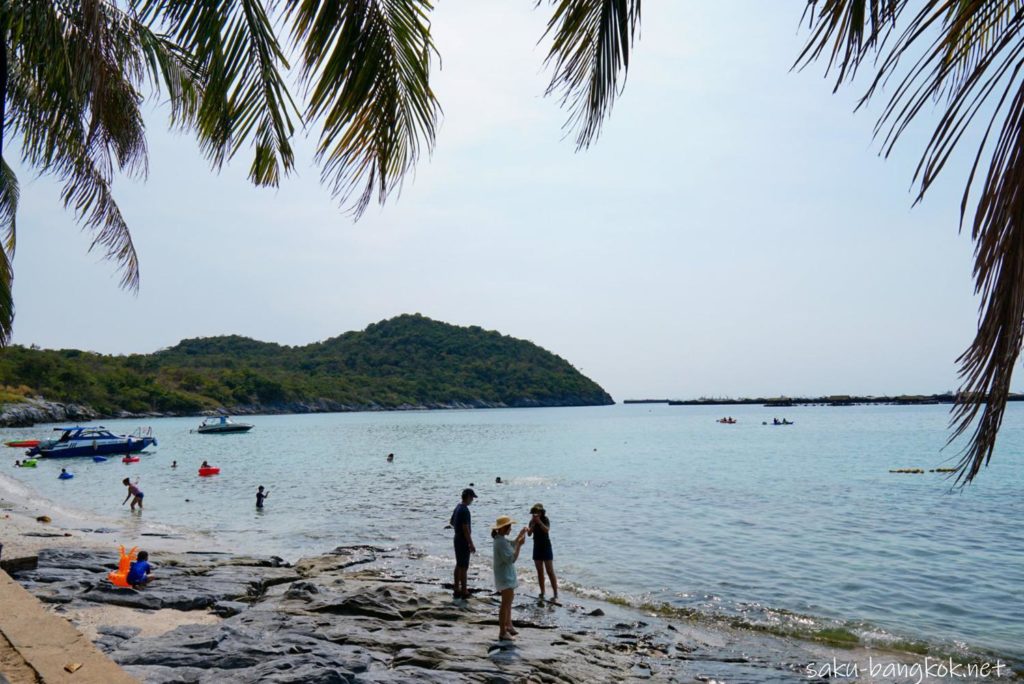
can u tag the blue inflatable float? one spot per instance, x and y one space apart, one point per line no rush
65 476
99 459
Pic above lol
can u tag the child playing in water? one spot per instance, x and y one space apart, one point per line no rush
138 573
260 496
133 490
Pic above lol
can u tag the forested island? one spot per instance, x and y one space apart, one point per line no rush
406 362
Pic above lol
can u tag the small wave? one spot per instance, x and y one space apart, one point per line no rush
789 624
530 481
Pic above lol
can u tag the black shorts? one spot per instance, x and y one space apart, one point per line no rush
461 555
543 552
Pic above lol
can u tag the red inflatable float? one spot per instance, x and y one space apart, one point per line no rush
130 459
209 470
25 443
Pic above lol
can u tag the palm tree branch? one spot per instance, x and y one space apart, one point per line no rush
591 44
8 211
847 31
973 53
366 64
244 99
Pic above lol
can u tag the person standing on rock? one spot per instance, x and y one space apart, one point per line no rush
461 521
543 555
506 554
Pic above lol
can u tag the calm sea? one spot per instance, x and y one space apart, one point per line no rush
795 529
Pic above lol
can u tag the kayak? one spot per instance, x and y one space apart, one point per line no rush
23 444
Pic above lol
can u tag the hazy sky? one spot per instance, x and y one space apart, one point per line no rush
733 233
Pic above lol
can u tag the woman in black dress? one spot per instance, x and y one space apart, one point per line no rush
543 555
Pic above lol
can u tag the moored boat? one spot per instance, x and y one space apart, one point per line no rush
221 425
92 441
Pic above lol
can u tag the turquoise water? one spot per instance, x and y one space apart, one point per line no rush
794 528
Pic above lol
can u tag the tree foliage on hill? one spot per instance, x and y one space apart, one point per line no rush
408 360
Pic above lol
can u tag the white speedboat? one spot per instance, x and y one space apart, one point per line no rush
221 425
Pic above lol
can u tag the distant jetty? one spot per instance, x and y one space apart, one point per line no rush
832 400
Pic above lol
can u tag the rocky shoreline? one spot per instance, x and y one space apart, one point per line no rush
37 410
366 614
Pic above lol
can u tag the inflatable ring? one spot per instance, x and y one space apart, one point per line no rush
65 476
211 470
130 459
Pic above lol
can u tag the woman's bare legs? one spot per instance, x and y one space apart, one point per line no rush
540 576
550 565
505 614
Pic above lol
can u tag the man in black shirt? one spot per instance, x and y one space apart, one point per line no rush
460 520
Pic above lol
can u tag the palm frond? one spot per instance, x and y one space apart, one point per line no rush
847 31
967 56
8 212
87 192
244 98
592 40
366 64
6 298
9 195
77 111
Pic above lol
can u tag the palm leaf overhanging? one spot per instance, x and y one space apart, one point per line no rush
366 65
966 55
591 42
74 74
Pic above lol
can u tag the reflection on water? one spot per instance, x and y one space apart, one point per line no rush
764 524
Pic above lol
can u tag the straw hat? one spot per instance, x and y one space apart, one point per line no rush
502 521
537 508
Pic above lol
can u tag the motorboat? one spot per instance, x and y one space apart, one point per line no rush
92 441
221 425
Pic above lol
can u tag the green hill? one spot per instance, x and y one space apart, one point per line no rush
407 361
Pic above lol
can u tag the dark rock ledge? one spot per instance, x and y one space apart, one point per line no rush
363 614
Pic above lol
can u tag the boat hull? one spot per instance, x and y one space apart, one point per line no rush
131 445
223 429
